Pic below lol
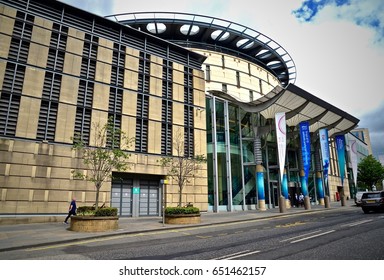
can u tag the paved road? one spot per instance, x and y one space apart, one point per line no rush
347 234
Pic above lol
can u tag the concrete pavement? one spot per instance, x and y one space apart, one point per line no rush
21 236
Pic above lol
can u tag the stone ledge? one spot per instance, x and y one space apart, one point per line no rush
29 219
93 224
182 219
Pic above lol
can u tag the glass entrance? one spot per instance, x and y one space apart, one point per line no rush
134 197
273 194
149 198
121 197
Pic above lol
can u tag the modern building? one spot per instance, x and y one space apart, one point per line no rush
357 150
62 69
381 159
220 83
249 78
363 135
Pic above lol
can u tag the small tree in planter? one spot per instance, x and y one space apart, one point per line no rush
180 167
103 156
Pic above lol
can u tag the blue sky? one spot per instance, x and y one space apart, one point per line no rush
337 45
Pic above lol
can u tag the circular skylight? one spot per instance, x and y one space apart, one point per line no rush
156 28
245 44
187 29
263 54
220 34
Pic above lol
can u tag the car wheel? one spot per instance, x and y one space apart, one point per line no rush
365 210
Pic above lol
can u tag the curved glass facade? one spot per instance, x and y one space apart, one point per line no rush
232 159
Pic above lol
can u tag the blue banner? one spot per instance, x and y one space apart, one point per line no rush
340 148
324 145
305 147
319 184
284 185
260 182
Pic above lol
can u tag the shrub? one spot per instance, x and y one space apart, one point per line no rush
107 211
181 210
101 212
86 211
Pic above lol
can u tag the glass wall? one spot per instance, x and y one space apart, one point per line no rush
222 182
210 151
235 152
247 121
232 163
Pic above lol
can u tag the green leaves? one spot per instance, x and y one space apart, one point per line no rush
181 210
370 171
104 155
180 168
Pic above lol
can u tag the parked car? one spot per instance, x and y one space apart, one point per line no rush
372 201
358 198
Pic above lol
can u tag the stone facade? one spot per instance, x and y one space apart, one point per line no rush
56 79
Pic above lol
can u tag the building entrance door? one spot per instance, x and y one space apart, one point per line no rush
274 194
134 198
121 197
149 198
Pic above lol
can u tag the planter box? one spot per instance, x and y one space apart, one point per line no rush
93 224
180 219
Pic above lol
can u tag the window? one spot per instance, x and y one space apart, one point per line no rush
49 107
84 110
88 64
9 108
188 131
208 73
141 139
167 80
47 121
238 78
188 142
141 135
224 88
144 71
166 127
10 98
188 86
118 62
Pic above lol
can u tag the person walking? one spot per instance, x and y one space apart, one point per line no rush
301 200
71 210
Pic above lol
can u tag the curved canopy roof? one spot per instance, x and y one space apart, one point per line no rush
197 31
299 105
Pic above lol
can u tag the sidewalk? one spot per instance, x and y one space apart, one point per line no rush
20 236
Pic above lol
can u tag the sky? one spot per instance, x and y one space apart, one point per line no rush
337 45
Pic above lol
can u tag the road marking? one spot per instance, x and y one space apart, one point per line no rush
128 235
312 236
295 237
204 236
356 223
96 240
230 255
290 225
242 255
237 255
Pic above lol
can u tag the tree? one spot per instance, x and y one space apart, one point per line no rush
104 156
180 167
370 171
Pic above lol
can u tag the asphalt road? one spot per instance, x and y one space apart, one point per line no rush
329 235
